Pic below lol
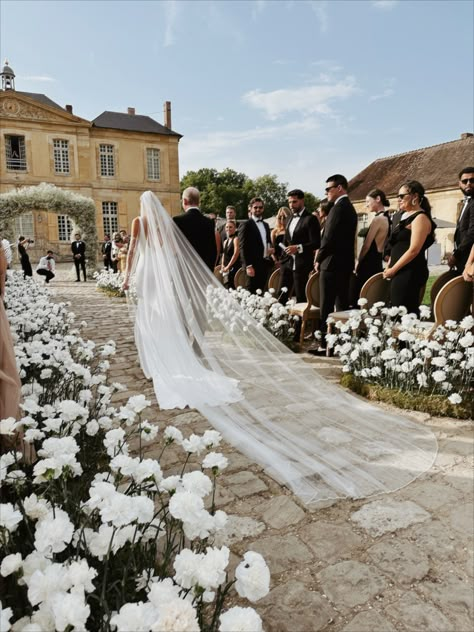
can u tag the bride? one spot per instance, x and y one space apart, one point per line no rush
202 350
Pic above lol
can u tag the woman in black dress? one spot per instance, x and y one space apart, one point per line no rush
23 245
230 254
411 237
371 254
278 233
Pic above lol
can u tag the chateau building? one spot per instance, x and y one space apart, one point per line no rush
112 159
436 167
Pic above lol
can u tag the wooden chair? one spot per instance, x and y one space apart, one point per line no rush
453 301
218 274
308 311
439 283
274 281
240 278
375 289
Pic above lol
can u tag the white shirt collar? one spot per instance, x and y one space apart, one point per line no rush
340 198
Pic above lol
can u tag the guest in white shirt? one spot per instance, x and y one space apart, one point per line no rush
47 266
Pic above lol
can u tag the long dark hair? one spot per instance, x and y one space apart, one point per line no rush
414 186
379 193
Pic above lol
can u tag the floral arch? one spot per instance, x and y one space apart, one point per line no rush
47 197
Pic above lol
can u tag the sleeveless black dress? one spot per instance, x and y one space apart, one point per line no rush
25 261
228 250
406 285
279 252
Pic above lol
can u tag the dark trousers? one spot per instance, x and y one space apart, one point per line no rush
80 264
405 288
46 273
333 292
258 281
295 280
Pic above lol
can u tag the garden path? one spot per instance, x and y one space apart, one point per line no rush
402 562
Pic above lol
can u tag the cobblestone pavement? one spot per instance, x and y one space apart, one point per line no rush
403 561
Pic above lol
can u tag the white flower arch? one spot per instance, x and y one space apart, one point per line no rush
48 197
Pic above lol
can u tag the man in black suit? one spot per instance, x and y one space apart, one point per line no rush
107 252
302 238
335 259
464 234
198 229
255 246
78 248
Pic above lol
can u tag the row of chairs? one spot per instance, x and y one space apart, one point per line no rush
451 299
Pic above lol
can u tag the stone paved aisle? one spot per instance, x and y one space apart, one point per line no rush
401 562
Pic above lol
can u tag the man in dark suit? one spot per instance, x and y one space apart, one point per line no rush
107 252
198 229
255 246
335 259
78 248
302 238
464 234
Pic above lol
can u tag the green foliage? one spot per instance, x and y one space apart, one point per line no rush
270 190
436 405
311 202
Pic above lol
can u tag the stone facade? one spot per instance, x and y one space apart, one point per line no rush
40 122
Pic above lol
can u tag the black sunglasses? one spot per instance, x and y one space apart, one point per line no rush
258 207
400 196
333 186
466 180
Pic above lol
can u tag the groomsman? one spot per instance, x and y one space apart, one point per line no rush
255 246
302 238
464 234
335 258
198 229
78 248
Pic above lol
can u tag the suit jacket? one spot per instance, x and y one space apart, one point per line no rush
78 248
107 249
307 233
252 250
464 235
337 246
200 232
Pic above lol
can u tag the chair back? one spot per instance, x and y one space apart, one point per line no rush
240 278
274 280
218 274
453 301
312 290
375 289
439 283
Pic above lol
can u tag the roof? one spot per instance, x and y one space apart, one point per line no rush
131 123
436 167
41 98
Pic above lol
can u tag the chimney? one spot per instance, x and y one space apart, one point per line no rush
466 135
69 109
167 114
131 111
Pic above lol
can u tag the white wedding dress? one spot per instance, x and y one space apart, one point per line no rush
202 350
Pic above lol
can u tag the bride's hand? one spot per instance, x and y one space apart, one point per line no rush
125 285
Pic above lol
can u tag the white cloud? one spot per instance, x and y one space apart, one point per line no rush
38 78
313 99
320 8
171 10
388 92
384 5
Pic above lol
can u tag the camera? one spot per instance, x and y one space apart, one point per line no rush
30 241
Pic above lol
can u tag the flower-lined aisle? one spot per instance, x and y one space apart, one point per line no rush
386 347
93 537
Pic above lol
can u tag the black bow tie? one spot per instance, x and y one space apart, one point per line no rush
296 215
259 220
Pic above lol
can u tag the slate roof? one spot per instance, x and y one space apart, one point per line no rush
131 123
436 167
41 98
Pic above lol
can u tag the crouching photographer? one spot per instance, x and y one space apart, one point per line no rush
47 266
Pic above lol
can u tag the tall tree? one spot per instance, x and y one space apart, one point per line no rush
270 190
218 189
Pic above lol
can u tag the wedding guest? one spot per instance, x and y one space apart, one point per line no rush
464 233
302 238
7 249
322 213
10 384
23 245
411 237
125 237
255 247
47 266
278 233
230 254
78 248
468 273
230 214
114 252
122 256
371 254
107 252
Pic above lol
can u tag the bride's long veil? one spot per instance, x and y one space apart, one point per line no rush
203 350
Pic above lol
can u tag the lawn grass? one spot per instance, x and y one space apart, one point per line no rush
429 283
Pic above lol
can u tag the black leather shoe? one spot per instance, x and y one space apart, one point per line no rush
320 351
77 281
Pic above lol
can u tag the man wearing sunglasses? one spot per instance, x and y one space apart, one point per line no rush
255 246
464 234
335 259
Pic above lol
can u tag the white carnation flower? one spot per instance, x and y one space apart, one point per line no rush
239 619
138 617
455 398
70 609
193 445
177 615
253 577
173 434
215 460
197 483
53 532
10 564
439 376
9 517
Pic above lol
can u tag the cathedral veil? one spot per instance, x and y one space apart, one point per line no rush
204 351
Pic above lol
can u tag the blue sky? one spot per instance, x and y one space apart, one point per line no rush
301 89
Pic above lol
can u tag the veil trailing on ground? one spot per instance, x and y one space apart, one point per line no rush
204 351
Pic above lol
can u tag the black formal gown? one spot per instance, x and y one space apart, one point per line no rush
279 252
406 285
228 252
25 261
